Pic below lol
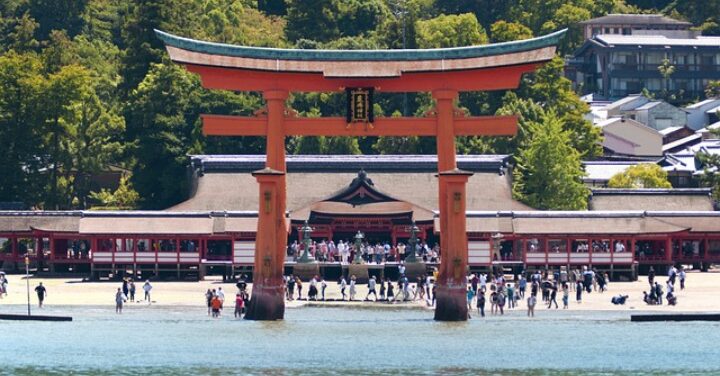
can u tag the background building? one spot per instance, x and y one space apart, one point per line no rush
622 54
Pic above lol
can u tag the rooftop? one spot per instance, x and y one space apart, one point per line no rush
549 40
703 103
635 19
604 170
652 191
656 40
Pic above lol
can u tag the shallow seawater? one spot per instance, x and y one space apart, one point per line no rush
340 341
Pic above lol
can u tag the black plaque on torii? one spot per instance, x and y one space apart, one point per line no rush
359 105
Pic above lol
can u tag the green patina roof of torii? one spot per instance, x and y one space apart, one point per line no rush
360 55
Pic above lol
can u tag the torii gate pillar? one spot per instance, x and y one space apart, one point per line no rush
452 280
268 293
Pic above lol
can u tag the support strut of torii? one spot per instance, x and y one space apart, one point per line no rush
277 72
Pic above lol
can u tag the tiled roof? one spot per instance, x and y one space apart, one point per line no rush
211 48
635 19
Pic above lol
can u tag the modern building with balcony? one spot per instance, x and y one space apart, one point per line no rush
613 66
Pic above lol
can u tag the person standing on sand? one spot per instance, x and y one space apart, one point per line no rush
119 299
291 287
125 288
578 292
522 286
566 295
390 292
323 286
511 296
343 285
239 305
216 306
147 287
553 296
481 303
501 302
132 291
208 299
659 293
41 294
651 277
298 283
221 296
312 290
382 288
531 305
352 288
371 289
470 296
681 275
3 284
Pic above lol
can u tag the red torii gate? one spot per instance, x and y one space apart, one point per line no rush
443 72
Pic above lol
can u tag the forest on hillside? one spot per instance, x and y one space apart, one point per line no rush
86 86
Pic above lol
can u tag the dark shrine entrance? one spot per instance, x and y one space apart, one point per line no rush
362 207
442 72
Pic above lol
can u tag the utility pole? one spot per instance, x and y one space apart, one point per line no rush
27 280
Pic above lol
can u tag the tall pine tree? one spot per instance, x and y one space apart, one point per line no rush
548 174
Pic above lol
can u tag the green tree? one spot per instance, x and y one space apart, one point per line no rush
123 198
142 48
548 174
21 90
666 70
568 16
95 139
272 7
342 145
58 15
163 125
450 31
712 90
528 112
358 17
22 36
309 145
102 20
312 19
699 12
503 31
64 88
486 11
550 87
643 175
160 122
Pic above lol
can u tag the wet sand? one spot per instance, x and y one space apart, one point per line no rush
700 294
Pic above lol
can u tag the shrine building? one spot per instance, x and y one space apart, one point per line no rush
213 231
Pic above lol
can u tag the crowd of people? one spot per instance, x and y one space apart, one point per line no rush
380 289
127 291
215 299
655 297
345 252
482 289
